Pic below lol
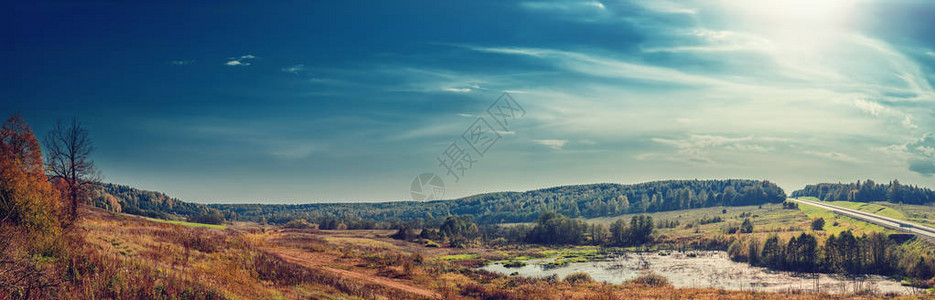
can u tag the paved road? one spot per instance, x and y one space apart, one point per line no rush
896 224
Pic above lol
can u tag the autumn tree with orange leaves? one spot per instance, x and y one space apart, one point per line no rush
30 215
27 198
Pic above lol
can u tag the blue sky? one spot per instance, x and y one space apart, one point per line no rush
313 101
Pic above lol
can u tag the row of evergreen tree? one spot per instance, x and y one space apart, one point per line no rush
867 191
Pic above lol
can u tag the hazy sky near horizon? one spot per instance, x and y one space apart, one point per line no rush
325 101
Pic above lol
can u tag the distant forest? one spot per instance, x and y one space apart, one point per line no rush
121 198
868 191
592 200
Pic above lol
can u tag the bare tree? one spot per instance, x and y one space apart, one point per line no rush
68 151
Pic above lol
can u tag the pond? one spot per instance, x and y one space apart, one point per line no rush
703 269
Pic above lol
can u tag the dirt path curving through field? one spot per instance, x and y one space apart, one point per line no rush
320 261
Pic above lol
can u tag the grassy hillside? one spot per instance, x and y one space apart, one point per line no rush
923 214
768 219
118 256
836 223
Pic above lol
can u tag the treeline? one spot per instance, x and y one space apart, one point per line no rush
121 198
873 253
550 229
556 229
868 191
593 200
458 231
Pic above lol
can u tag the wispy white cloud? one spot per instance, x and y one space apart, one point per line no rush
243 60
457 90
597 4
294 69
869 107
295 151
182 62
699 148
579 11
565 6
835 156
908 124
552 144
664 6
705 40
331 81
606 67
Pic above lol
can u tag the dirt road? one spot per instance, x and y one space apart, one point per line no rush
321 261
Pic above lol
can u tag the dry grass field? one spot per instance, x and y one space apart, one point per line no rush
121 256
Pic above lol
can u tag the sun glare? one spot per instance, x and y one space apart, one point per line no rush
801 16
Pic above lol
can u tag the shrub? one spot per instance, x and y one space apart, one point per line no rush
651 279
736 251
706 220
473 290
300 224
199 240
215 219
818 224
404 233
579 277
417 258
731 228
515 264
747 226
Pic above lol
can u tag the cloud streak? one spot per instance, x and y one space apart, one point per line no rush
294 69
241 61
552 144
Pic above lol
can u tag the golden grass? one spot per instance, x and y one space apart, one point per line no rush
139 257
352 241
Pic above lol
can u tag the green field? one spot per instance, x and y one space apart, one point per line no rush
874 207
189 224
767 219
922 214
836 223
456 257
